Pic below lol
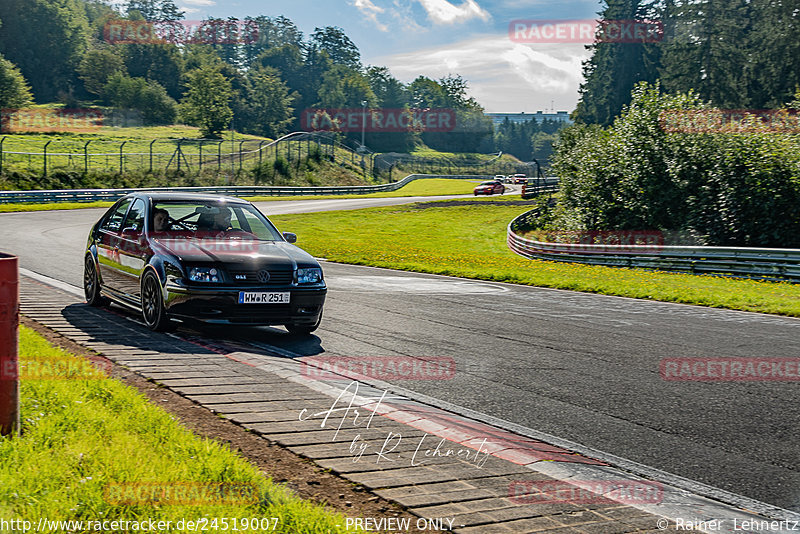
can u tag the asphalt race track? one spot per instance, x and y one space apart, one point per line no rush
580 367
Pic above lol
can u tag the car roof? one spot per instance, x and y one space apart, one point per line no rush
183 196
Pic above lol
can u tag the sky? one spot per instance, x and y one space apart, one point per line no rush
436 38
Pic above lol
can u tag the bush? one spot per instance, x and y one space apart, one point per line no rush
147 96
727 189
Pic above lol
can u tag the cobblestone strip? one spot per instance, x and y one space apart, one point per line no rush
436 463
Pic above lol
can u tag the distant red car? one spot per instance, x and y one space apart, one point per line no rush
520 178
489 188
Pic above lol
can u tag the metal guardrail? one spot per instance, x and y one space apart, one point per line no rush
93 195
738 262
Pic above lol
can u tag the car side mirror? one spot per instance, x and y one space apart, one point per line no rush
290 237
131 232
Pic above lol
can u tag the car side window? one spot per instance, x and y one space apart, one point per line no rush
135 218
113 222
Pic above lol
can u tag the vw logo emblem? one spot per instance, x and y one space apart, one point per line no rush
263 276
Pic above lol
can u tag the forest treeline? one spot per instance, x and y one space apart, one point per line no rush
259 82
735 54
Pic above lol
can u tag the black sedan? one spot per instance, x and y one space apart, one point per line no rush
201 258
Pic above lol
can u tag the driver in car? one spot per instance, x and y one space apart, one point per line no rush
161 220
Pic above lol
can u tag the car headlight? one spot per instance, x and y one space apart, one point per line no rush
311 275
205 274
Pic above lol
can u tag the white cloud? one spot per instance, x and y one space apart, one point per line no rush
199 2
370 11
443 12
503 76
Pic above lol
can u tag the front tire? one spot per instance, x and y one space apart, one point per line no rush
153 312
91 284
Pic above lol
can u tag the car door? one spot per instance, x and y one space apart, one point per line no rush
133 250
108 256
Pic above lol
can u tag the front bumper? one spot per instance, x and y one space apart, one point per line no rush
220 305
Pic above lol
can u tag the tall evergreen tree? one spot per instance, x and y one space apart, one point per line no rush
615 67
711 50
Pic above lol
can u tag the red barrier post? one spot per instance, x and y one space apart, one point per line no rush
9 361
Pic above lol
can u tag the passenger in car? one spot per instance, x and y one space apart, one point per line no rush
222 220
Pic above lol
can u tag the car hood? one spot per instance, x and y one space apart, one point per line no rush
236 252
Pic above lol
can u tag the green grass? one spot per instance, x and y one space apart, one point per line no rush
423 187
470 242
7 208
80 435
108 139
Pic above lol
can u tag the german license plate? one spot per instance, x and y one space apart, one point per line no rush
262 297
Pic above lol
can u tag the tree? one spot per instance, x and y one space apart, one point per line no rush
162 63
96 68
146 96
712 55
268 104
426 93
338 45
727 189
615 67
46 40
389 91
343 87
265 33
153 10
14 91
206 104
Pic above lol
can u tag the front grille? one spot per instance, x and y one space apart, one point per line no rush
276 278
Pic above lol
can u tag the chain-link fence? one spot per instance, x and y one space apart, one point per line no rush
267 159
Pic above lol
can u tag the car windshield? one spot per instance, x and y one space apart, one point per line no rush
189 219
488 183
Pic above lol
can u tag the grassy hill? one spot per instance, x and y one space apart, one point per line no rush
174 155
